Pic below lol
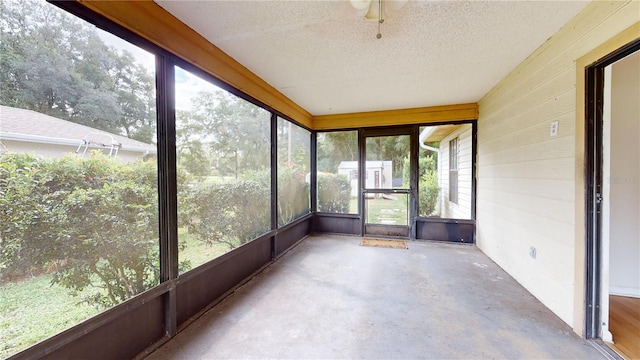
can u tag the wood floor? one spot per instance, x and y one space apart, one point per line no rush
624 324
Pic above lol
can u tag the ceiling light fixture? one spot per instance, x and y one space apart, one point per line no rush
376 9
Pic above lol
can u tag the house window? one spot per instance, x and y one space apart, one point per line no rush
453 170
354 174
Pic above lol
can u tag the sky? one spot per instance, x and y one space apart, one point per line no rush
187 84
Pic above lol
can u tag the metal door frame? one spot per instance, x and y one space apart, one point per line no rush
594 91
412 132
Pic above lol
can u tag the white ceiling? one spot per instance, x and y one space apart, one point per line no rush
325 56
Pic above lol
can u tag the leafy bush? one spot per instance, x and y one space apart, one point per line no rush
334 193
293 194
428 187
228 213
428 193
92 222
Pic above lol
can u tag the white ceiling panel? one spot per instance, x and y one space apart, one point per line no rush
325 56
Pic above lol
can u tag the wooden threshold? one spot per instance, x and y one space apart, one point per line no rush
624 324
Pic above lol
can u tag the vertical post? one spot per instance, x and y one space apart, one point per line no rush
274 181
167 185
474 158
362 171
413 180
313 178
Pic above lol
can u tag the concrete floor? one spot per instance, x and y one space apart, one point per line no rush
331 298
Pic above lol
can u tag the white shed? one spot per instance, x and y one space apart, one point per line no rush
378 175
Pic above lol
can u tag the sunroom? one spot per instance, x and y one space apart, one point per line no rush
508 127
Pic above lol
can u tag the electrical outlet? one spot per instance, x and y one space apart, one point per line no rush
532 252
554 128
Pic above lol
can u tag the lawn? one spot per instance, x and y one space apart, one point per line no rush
393 212
198 252
33 309
386 211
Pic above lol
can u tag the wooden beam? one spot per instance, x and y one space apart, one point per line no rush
148 20
396 117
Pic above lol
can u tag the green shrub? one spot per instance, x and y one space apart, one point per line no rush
293 194
334 193
428 187
428 193
91 222
229 213
109 236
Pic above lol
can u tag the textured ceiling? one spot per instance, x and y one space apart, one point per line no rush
324 56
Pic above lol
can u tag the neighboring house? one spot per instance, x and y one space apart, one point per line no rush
28 131
378 176
454 168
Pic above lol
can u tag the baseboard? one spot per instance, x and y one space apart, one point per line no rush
624 291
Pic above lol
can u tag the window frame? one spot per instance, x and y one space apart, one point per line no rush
453 169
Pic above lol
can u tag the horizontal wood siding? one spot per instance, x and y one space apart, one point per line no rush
461 210
526 194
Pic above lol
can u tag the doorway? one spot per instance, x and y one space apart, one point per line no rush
613 200
411 181
387 191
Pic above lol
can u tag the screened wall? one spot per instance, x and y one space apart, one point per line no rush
153 179
172 188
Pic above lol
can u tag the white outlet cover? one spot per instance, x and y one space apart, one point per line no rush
554 128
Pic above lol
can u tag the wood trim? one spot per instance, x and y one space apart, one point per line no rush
611 45
396 117
153 23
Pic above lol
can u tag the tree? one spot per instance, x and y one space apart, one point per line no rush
56 64
394 148
223 132
335 147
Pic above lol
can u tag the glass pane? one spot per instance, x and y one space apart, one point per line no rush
338 172
444 170
387 209
78 172
294 163
387 162
224 170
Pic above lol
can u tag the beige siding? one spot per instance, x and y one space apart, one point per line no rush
461 210
526 178
58 151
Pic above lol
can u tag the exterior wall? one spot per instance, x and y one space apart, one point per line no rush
461 210
527 180
385 176
54 150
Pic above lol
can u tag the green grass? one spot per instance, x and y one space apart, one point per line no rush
32 310
381 211
353 205
198 252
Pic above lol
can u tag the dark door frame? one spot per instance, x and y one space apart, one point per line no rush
411 131
594 91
